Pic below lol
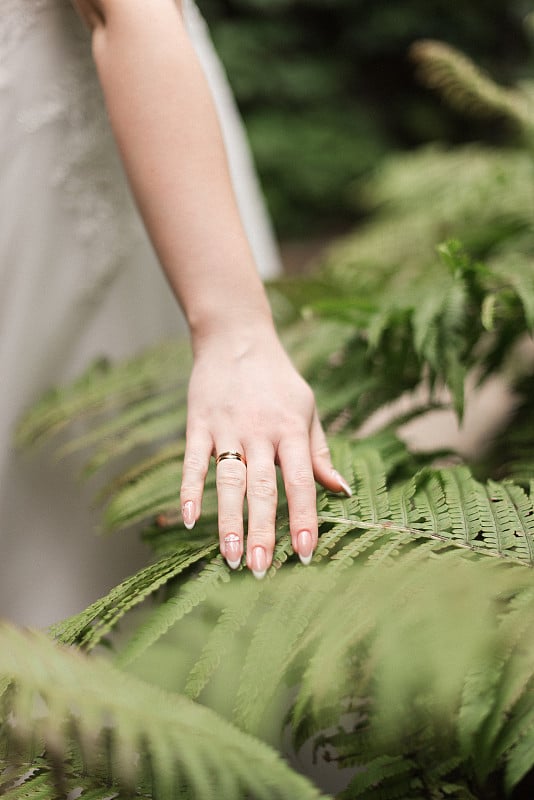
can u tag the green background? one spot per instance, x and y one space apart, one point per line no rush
326 88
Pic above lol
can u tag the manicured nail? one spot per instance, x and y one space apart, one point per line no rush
343 483
259 563
188 514
305 547
232 550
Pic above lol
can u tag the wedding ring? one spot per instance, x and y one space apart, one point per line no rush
234 455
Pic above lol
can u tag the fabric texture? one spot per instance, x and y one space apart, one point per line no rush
78 280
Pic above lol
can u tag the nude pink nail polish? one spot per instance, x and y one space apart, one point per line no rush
305 547
259 562
188 514
232 550
342 483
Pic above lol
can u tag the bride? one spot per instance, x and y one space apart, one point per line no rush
77 281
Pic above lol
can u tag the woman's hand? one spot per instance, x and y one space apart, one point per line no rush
245 395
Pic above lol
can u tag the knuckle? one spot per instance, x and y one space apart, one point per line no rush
262 488
194 464
296 430
300 481
190 491
231 478
322 452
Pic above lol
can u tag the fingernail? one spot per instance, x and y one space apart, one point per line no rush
259 563
188 514
305 547
343 483
232 550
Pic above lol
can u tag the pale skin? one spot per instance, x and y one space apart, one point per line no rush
244 393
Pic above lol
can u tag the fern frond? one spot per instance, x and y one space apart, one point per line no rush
233 618
295 603
430 511
155 491
171 611
89 627
187 598
466 87
103 388
37 783
146 432
382 770
71 702
371 487
521 758
121 422
168 453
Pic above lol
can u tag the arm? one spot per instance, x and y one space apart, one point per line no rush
244 392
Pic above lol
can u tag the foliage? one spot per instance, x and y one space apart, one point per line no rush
404 655
91 720
339 90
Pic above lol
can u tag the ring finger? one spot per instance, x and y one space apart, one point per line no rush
231 479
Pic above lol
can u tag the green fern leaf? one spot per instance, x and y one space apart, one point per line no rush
146 432
375 774
401 502
371 491
521 759
296 602
89 627
122 421
167 453
171 611
233 618
466 87
102 389
430 512
35 787
523 284
185 742
461 496
154 492
330 539
512 510
37 783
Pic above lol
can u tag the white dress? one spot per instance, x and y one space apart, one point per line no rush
78 280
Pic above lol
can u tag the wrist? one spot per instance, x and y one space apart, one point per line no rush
236 337
233 326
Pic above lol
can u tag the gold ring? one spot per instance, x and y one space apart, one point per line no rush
235 455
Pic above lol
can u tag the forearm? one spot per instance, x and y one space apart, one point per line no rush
169 138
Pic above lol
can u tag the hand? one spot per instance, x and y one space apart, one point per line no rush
245 395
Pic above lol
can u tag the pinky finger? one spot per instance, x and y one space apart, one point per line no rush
323 471
198 449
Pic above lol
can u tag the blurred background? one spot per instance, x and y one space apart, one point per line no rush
327 89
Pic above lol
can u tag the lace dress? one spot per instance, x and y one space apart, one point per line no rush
78 279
